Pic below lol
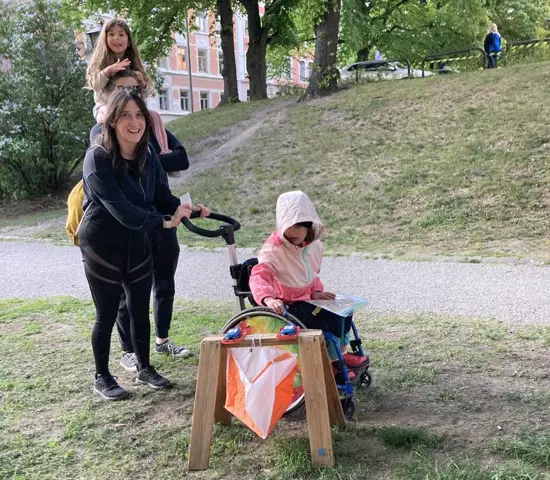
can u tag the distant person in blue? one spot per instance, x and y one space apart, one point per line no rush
492 45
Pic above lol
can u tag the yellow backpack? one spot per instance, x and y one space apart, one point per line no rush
75 211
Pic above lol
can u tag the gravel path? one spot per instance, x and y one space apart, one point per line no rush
518 293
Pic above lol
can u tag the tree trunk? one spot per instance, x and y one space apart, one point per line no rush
255 56
229 70
324 78
363 54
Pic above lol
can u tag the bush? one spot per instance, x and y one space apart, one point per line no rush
45 115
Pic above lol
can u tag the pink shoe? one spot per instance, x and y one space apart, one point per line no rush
339 377
355 361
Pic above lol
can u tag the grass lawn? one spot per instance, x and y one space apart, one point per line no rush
450 165
453 399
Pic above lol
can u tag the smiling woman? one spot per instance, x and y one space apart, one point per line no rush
127 201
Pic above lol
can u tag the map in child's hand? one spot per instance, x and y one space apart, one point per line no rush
342 305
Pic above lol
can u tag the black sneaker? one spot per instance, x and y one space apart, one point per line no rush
129 362
149 376
106 387
171 348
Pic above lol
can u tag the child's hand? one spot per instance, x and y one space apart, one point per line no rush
276 305
323 296
141 80
117 67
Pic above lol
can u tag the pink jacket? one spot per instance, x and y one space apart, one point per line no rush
285 271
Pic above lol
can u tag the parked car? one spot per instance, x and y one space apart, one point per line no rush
380 70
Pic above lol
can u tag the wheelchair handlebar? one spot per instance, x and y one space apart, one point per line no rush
204 232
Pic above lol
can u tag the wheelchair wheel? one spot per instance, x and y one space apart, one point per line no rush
365 380
348 405
264 320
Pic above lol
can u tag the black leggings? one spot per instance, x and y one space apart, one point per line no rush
314 317
166 252
116 260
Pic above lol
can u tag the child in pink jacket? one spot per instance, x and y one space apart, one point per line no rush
288 269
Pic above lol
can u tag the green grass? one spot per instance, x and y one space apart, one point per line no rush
451 165
27 220
534 449
452 398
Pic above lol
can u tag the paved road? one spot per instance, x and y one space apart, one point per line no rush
519 293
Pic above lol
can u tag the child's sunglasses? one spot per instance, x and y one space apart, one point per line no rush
130 88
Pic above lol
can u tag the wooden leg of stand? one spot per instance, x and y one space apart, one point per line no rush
205 404
222 415
334 406
318 421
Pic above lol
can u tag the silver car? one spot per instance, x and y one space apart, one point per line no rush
380 70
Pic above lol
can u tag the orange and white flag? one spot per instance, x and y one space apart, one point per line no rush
260 383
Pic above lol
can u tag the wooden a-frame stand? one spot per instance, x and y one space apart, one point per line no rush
323 407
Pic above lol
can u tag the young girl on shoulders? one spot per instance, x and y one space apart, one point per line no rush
115 51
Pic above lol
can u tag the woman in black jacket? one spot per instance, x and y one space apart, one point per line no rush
127 202
165 245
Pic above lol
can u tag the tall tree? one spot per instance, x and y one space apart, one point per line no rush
324 77
229 69
275 27
519 19
45 117
410 28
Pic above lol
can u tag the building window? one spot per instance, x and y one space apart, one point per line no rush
248 95
181 54
220 62
203 60
163 100
204 101
202 22
163 63
184 100
303 71
218 27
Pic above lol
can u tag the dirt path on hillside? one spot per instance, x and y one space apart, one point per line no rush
224 146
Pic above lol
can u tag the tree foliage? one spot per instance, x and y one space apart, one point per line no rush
45 115
414 28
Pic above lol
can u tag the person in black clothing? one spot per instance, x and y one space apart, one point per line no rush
165 247
127 200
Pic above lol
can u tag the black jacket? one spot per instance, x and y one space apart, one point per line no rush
136 202
176 160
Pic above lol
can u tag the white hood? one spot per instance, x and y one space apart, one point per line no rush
296 207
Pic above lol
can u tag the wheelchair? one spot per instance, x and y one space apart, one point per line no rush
264 320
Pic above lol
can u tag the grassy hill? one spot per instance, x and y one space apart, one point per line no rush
452 165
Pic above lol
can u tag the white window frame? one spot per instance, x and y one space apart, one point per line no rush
220 64
164 93
178 47
201 97
164 63
206 70
203 22
187 100
302 69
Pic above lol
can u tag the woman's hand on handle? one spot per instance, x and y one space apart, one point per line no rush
323 296
183 211
205 211
276 305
